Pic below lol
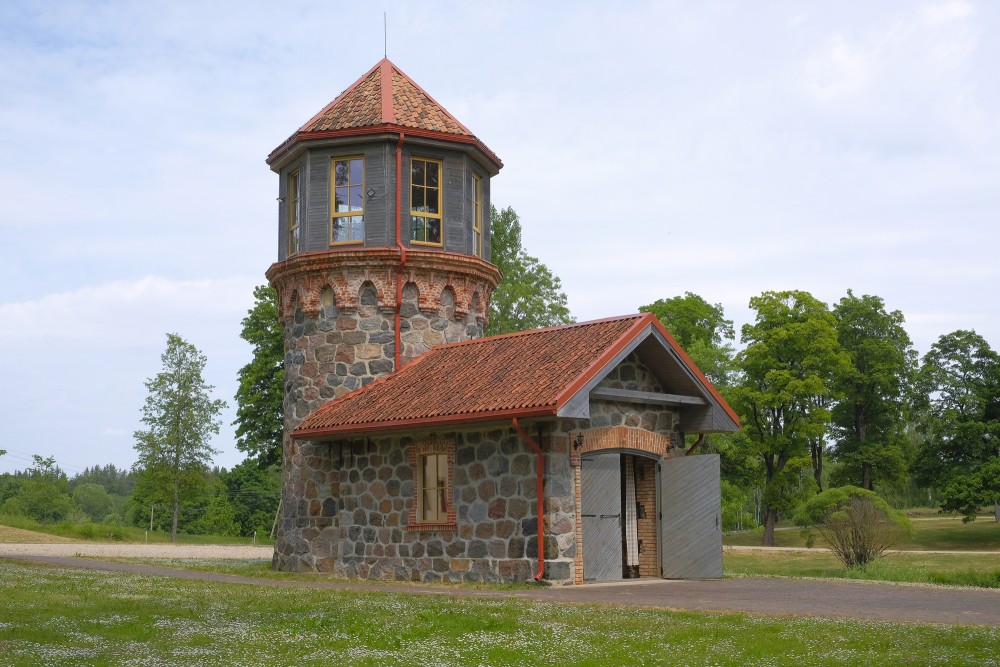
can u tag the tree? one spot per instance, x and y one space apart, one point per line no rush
180 417
259 411
958 394
529 295
702 330
869 422
94 501
856 524
254 494
788 370
41 493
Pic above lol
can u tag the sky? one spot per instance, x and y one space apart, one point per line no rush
650 149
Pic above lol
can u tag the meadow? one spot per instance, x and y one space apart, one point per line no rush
65 616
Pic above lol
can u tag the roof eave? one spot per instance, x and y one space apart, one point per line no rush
382 128
396 425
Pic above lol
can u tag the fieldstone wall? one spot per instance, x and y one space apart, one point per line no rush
632 374
339 312
365 529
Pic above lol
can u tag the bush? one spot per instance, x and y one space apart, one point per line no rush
856 524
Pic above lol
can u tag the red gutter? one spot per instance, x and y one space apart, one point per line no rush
539 471
402 249
324 432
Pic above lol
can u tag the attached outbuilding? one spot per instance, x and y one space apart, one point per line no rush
553 454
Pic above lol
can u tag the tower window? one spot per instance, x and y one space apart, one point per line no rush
347 217
425 200
294 200
477 216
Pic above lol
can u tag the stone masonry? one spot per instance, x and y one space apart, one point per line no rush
365 528
339 309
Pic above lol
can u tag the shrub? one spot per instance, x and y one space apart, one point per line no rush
856 524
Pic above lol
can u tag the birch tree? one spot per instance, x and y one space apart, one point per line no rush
180 417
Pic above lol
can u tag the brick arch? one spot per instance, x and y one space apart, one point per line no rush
624 437
416 289
290 302
447 301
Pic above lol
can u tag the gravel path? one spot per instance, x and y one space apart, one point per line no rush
115 550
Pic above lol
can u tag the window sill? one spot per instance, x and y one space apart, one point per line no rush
428 243
341 243
431 527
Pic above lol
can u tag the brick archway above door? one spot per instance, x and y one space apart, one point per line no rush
624 437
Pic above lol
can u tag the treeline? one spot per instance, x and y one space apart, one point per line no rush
836 395
220 502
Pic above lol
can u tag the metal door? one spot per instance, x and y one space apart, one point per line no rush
690 518
601 507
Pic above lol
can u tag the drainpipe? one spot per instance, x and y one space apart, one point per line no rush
696 445
402 249
539 472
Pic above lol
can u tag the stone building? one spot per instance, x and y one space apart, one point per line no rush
416 449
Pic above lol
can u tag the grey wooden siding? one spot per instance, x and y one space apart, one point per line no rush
691 518
316 208
380 209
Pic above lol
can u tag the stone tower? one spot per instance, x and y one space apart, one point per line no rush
383 252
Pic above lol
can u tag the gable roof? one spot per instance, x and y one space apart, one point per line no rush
384 100
525 374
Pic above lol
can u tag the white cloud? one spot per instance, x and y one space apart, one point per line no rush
125 312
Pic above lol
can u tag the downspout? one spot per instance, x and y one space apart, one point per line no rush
696 445
539 472
402 250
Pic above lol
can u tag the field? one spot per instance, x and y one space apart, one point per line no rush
62 616
70 531
929 534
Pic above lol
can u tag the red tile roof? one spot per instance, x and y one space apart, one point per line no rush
522 374
384 99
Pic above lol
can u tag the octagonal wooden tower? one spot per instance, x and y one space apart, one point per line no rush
383 252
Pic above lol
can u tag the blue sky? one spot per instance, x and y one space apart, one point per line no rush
650 148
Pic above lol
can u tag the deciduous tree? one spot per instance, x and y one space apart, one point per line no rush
702 330
529 295
180 417
869 420
790 362
959 415
260 393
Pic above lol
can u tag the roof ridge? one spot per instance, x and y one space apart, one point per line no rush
535 332
388 108
428 96
342 95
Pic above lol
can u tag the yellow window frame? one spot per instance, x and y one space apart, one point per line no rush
477 215
294 200
427 215
351 188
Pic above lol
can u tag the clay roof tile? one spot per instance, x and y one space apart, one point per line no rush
522 373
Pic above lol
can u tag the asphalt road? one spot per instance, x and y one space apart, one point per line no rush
781 597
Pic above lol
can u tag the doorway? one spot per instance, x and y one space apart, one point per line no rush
618 516
641 517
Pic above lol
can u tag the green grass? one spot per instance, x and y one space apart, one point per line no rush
971 569
65 616
117 533
929 534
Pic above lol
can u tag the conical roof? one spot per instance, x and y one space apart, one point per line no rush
384 100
